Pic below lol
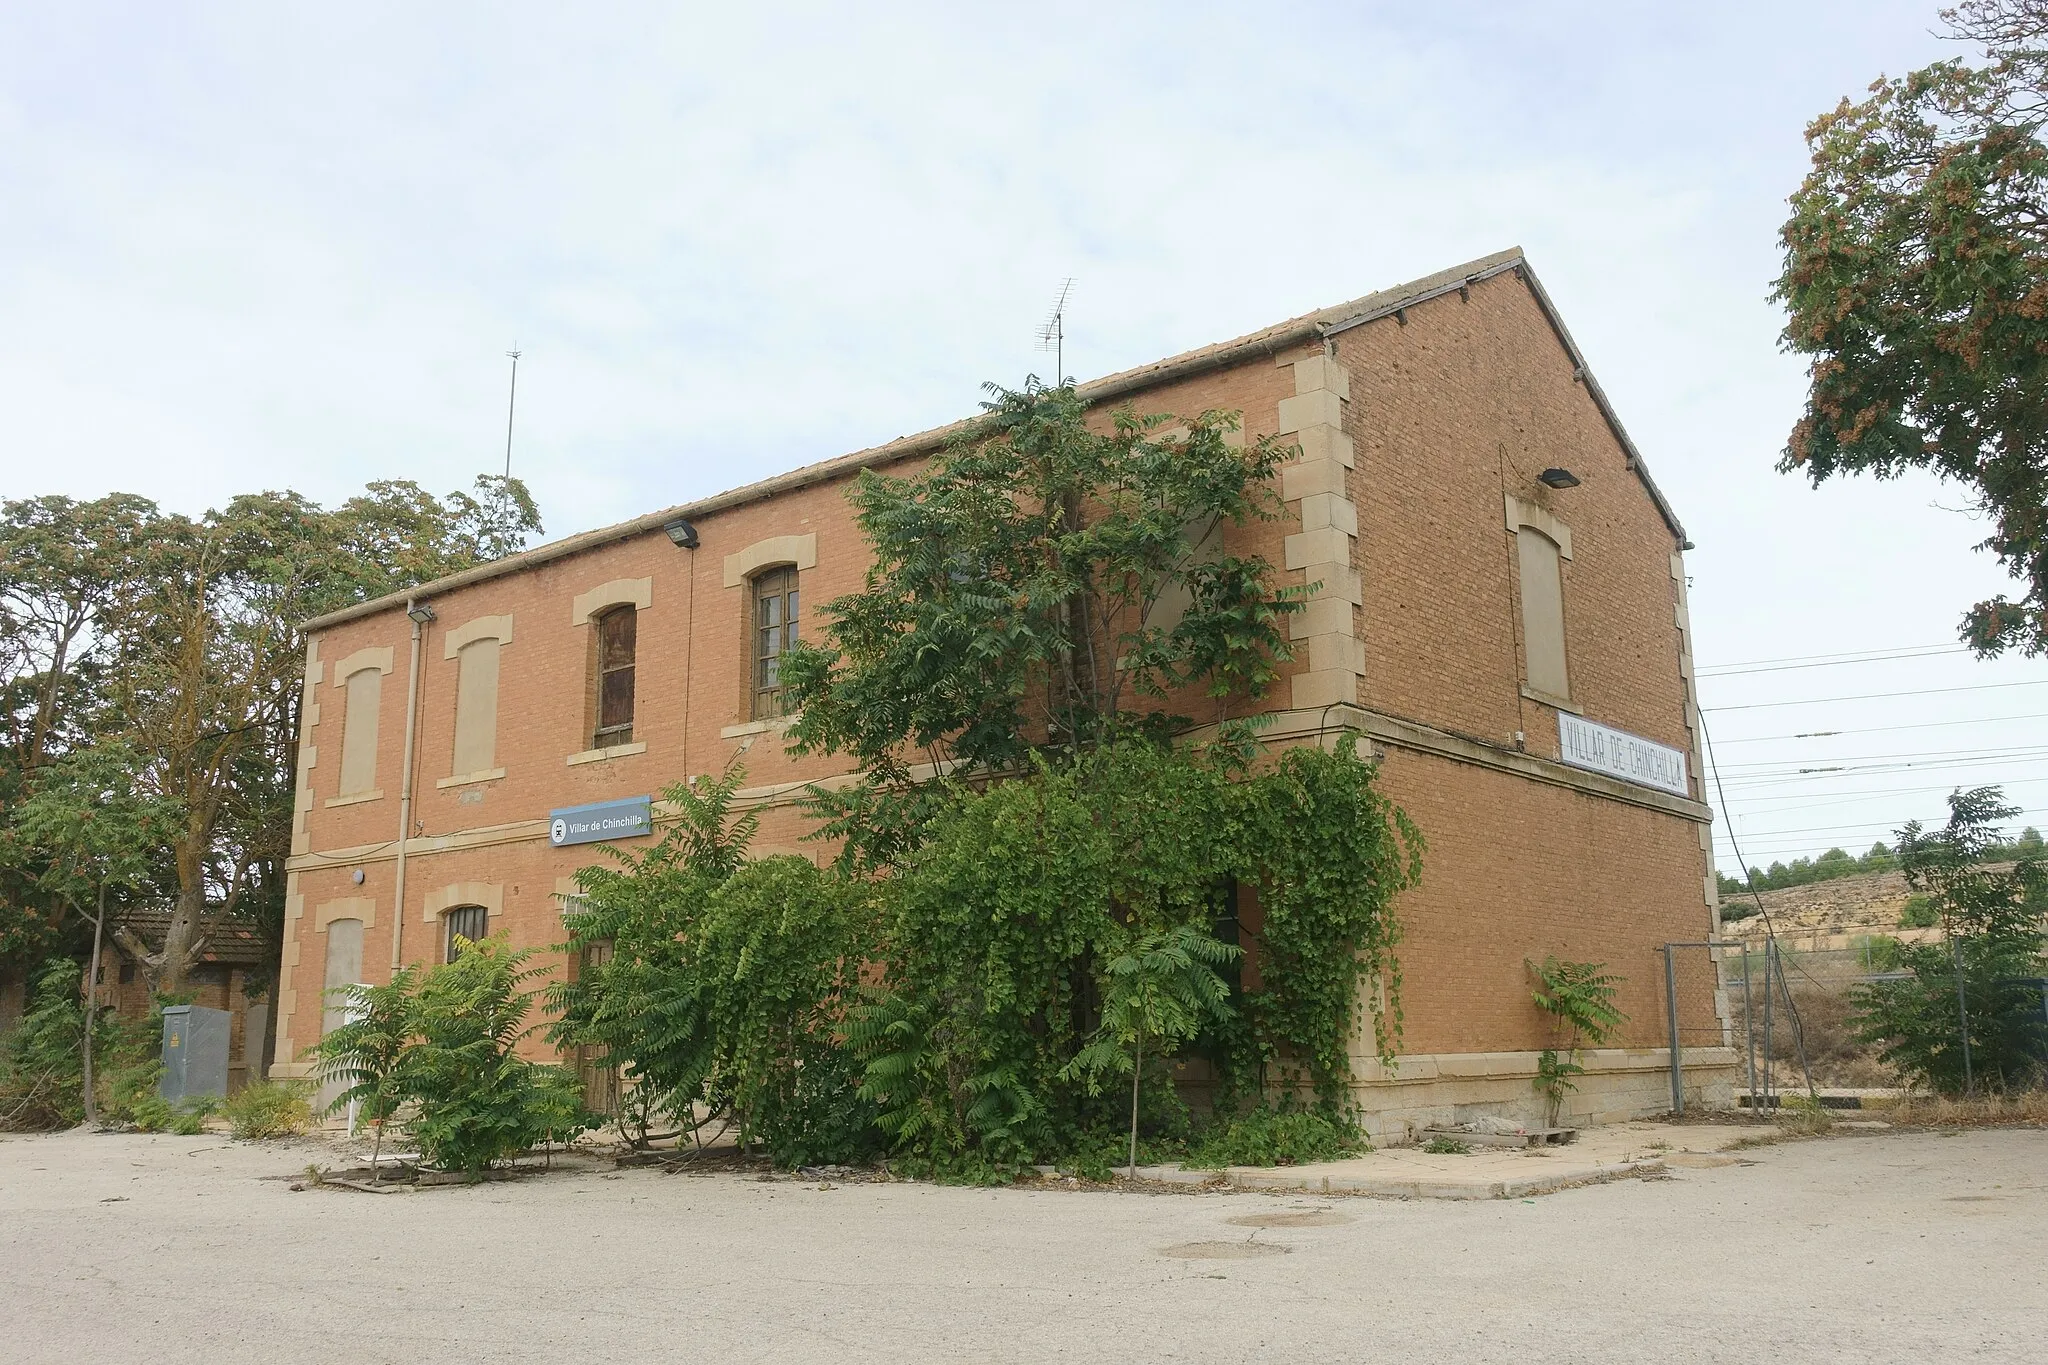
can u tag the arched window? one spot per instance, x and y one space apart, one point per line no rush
617 643
775 618
469 922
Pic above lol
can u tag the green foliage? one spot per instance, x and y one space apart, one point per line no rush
438 1052
1919 912
1579 998
365 1053
1276 1137
1993 926
1000 929
477 1101
186 1118
1446 1146
1042 913
1833 864
726 982
1914 278
1329 855
40 1059
153 662
1041 586
1157 990
269 1109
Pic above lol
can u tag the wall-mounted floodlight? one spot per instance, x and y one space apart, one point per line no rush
682 533
1558 478
420 613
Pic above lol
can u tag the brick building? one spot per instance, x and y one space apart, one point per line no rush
1501 611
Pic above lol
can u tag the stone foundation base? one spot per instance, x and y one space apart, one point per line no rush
1619 1084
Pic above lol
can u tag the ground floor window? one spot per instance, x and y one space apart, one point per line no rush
464 922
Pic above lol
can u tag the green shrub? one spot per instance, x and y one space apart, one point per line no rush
42 1073
1446 1146
152 1113
1277 1137
1920 912
478 1102
269 1109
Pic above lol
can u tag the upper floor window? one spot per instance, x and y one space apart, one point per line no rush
1542 613
359 731
617 637
775 618
465 924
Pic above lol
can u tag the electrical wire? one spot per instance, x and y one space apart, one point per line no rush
1737 671
1843 654
1885 729
1770 927
1872 696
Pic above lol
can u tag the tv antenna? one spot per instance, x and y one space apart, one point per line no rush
1053 335
511 401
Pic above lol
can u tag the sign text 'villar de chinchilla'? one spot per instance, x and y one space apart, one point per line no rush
627 819
1617 753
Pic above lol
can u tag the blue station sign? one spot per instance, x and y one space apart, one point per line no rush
596 823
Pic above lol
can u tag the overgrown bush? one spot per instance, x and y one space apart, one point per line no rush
186 1118
477 1101
269 1109
1276 1137
41 1062
726 984
441 1050
1967 1015
1919 912
42 1068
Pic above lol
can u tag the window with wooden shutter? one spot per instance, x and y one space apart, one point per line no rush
617 642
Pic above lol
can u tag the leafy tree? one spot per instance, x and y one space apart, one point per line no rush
206 657
1968 1013
366 1053
1915 276
90 833
474 1100
726 982
1161 989
1042 586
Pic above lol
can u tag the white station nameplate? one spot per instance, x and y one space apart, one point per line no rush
1604 749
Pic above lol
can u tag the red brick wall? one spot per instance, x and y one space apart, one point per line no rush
1462 401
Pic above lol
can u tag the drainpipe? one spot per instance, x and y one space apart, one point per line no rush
412 707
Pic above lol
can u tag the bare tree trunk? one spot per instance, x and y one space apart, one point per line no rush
92 1000
1137 1071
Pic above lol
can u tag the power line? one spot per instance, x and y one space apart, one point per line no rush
1871 696
1886 729
1976 752
1734 671
1807 798
1757 781
1844 654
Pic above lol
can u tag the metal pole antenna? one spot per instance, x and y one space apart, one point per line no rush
511 400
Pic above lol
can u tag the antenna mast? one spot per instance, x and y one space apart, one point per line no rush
1053 335
511 401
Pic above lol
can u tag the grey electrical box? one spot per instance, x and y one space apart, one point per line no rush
195 1052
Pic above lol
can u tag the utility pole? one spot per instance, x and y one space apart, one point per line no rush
511 402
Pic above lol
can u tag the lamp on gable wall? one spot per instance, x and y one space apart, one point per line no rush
1558 478
420 613
682 533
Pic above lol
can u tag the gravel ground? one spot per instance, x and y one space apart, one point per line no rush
1889 1247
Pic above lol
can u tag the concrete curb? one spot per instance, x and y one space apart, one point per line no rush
1281 1179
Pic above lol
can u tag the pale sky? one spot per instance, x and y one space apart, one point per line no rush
287 245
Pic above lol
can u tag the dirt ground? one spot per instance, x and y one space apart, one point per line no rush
1897 1246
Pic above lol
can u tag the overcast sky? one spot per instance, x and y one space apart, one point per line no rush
286 245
